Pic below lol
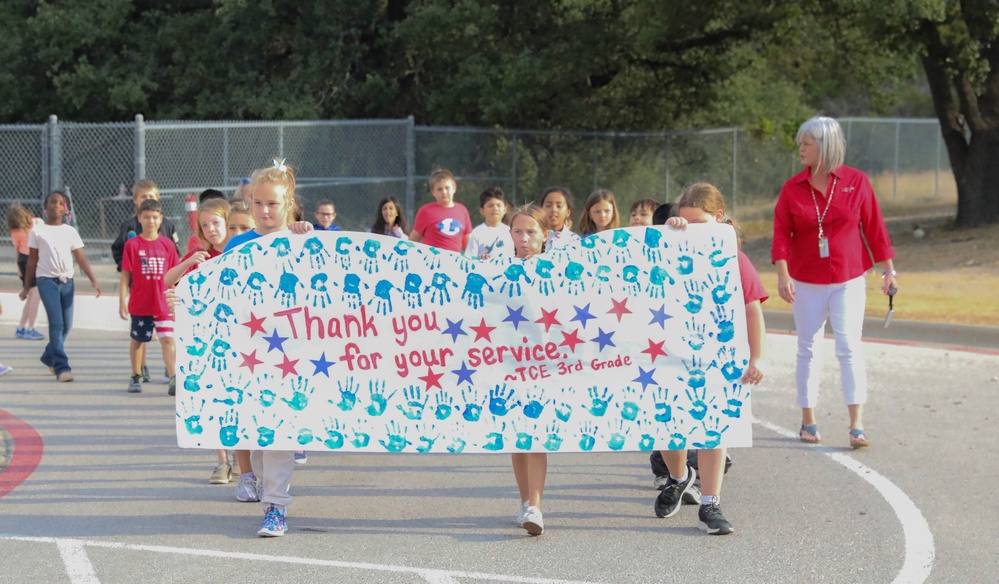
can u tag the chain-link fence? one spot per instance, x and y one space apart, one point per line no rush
356 163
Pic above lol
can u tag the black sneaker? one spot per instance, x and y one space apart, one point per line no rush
145 374
712 521
668 501
692 496
172 386
136 385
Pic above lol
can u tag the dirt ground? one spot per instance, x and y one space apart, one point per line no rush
947 275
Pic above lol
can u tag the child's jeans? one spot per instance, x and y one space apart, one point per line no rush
57 297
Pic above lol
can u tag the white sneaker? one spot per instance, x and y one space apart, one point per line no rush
534 523
246 488
523 513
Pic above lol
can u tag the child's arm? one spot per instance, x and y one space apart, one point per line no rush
301 227
174 274
757 330
81 259
29 272
677 222
416 237
123 285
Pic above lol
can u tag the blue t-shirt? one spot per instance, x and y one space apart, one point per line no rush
242 238
332 227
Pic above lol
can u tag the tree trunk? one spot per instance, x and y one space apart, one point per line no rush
977 184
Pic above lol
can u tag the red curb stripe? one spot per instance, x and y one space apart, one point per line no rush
28 449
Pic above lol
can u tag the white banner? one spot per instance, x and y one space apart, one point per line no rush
632 340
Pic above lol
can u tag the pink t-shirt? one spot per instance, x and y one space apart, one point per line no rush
752 286
443 227
148 261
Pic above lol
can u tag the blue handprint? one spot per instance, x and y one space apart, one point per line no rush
222 316
499 400
288 287
426 441
629 275
379 402
695 373
282 246
305 436
361 440
698 408
400 256
494 440
192 380
396 435
220 355
723 319
411 290
317 253
524 439
229 428
604 283
587 438
664 405
439 284
715 257
351 290
191 409
415 402
370 251
712 435
466 263
457 445
719 292
348 394
197 348
589 243
563 408
734 398
513 273
629 408
621 240
382 297
694 299
235 396
254 284
535 405
228 278
619 436
267 398
729 369
197 279
335 434
695 334
473 409
432 257
598 401
472 294
445 405
646 443
554 441
197 307
685 262
319 294
657 282
300 394
343 250
573 282
265 434
653 237
543 271
245 253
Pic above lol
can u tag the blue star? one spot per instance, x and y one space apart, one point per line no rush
583 315
604 339
322 365
275 341
454 329
464 374
515 317
645 378
660 317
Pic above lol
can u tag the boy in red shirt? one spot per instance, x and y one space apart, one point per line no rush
443 223
144 261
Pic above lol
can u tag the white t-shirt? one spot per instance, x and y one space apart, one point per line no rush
494 241
560 239
55 245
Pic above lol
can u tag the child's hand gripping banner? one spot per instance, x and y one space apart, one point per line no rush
634 339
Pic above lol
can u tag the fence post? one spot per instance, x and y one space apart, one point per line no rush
225 156
596 160
55 155
894 177
666 155
139 153
281 141
513 166
936 184
735 166
410 168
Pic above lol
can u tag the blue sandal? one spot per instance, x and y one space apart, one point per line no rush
812 429
857 438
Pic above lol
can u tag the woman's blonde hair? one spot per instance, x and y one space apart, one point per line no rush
19 217
217 207
708 198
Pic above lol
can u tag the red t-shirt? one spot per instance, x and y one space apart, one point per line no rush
148 261
752 286
193 244
852 211
443 227
212 253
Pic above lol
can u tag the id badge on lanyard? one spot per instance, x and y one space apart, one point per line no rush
823 247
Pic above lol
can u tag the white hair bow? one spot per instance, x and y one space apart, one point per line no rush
280 165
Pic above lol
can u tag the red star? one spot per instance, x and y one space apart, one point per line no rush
655 349
548 319
619 309
571 340
482 331
287 367
250 360
432 379
255 324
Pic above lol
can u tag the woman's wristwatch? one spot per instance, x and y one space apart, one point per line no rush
888 273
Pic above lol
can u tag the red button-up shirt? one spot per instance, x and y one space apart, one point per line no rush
853 209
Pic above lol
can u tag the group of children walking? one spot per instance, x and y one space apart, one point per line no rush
146 252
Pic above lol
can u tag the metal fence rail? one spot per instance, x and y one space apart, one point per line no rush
355 163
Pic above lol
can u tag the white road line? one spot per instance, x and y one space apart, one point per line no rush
919 550
78 565
433 576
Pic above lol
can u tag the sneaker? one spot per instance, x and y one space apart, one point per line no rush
246 488
273 524
145 374
668 501
166 377
221 475
19 333
534 523
172 386
33 335
712 521
301 457
135 386
523 513
692 496
660 482
65 376
4 370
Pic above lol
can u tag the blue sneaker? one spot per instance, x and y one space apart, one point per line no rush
4 370
33 335
301 457
19 333
273 524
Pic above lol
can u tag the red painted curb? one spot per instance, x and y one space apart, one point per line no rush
28 449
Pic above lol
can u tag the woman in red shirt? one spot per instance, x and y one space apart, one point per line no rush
823 216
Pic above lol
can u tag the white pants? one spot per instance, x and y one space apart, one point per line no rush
844 304
274 467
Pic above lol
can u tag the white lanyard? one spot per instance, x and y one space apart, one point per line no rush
821 216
